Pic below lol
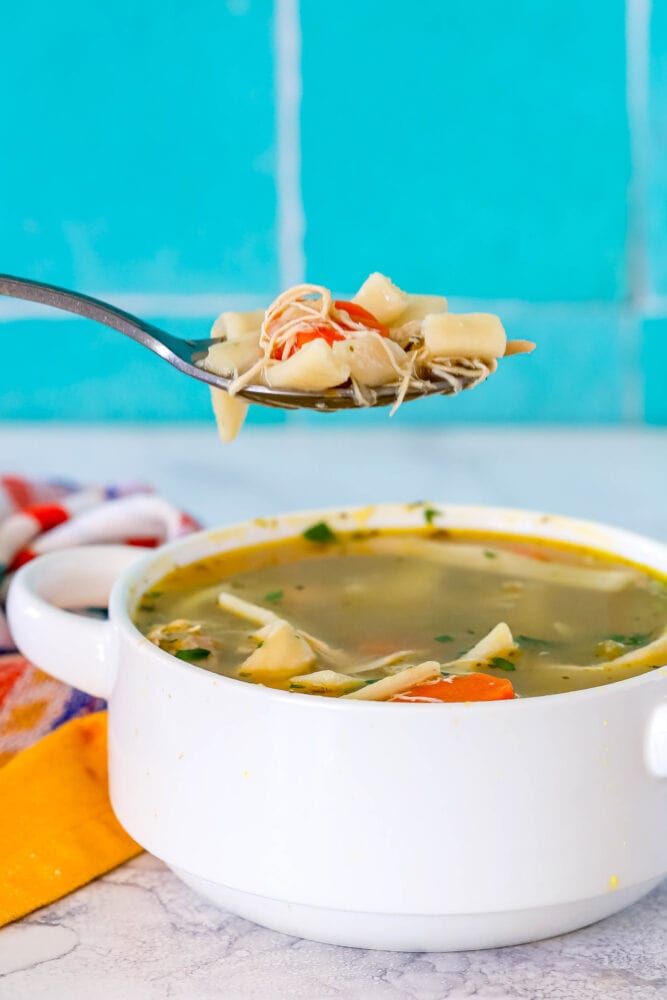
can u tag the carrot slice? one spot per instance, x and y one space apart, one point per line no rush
325 332
320 332
469 687
358 314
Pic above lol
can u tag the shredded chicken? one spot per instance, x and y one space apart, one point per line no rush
178 635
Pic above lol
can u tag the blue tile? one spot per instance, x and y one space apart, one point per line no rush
476 149
654 358
85 372
655 156
138 145
88 373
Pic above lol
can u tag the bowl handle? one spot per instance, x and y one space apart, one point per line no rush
73 648
656 741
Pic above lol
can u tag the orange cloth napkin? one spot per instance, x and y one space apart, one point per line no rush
57 829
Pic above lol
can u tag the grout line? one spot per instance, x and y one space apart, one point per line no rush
209 304
655 306
637 44
206 305
287 48
632 384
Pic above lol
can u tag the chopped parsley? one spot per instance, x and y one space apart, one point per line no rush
636 639
320 532
274 595
501 663
430 513
489 554
444 638
193 655
530 642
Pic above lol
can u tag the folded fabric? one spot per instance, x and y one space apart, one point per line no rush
57 830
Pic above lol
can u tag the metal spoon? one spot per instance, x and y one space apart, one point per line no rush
183 353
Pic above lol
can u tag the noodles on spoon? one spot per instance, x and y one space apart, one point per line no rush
308 341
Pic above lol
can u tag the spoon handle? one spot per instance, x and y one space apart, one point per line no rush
88 307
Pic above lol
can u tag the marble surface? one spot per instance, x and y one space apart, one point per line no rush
138 933
618 476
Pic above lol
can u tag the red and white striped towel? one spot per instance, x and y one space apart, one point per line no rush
39 517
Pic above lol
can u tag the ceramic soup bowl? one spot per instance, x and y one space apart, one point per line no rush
393 826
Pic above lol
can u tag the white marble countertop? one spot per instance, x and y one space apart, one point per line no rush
138 933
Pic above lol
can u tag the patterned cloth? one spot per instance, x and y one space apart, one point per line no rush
39 517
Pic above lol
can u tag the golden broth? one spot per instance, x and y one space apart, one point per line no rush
433 593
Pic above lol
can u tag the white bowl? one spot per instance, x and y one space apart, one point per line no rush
394 826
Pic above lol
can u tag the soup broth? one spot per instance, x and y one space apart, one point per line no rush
336 614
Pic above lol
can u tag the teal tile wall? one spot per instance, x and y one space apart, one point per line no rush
656 154
510 155
488 153
138 145
88 372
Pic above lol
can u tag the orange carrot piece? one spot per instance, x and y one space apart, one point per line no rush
470 687
323 332
358 314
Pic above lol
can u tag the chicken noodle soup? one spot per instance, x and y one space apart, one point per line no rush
310 341
419 617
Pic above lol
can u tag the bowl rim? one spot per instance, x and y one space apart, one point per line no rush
126 589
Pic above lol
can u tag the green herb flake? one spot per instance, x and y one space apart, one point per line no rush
146 607
444 638
530 642
193 655
274 595
320 532
501 663
430 513
636 639
488 554
297 687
